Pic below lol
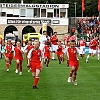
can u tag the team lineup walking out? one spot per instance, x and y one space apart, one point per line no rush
8 54
92 48
18 56
72 52
54 40
40 52
35 60
27 48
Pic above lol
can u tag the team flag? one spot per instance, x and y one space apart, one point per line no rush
98 5
83 8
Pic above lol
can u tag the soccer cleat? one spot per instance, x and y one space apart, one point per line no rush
20 73
16 71
53 59
86 61
28 70
75 82
7 70
46 65
35 87
59 62
45 61
67 65
69 79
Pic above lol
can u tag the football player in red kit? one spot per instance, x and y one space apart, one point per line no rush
27 48
66 38
36 57
8 53
81 43
60 53
92 48
54 40
46 51
18 56
73 61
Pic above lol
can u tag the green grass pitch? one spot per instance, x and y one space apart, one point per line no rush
53 83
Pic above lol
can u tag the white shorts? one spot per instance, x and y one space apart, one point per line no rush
41 47
92 51
54 47
82 50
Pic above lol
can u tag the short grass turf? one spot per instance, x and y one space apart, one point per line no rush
53 83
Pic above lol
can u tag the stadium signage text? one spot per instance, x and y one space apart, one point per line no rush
11 5
28 21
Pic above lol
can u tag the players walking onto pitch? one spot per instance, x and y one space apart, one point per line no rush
27 48
18 56
81 43
8 54
60 53
47 50
40 52
92 48
73 61
54 40
36 57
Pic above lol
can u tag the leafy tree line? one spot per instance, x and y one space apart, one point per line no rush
91 6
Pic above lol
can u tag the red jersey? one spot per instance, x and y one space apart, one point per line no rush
82 43
9 49
46 49
54 40
60 50
73 37
28 48
72 54
67 38
93 44
35 55
17 53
